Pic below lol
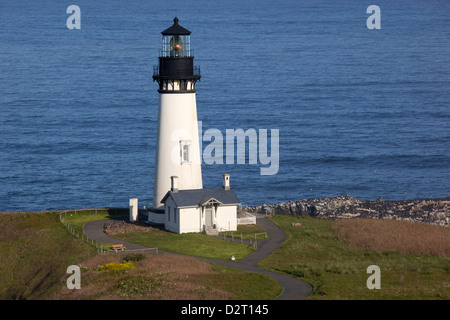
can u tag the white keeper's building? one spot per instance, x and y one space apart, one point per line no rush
201 210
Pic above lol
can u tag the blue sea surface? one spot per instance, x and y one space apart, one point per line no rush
359 112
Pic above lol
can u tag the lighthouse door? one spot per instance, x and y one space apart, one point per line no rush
209 216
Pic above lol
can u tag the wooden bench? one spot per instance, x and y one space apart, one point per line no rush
118 247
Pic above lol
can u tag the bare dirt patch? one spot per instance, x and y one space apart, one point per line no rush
123 226
394 235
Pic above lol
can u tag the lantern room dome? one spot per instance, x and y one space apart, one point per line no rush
176 29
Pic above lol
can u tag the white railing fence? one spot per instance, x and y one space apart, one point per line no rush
75 232
246 218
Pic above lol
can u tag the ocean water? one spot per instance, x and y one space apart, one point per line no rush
359 112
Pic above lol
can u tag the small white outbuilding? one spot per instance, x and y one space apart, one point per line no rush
201 210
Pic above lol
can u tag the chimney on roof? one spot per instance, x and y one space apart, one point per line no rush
174 184
226 181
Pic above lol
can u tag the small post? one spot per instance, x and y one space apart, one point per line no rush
133 209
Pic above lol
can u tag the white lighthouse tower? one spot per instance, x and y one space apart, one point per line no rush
177 145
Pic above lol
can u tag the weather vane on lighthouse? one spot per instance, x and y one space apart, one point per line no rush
177 146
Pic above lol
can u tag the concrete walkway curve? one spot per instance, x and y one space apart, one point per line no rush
293 288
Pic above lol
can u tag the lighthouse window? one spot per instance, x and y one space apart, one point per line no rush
176 46
185 151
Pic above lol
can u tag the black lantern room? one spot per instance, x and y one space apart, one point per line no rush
176 72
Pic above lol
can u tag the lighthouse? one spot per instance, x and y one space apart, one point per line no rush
177 144
180 203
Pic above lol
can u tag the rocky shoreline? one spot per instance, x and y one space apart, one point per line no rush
431 211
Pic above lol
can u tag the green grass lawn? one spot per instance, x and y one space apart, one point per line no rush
245 285
247 232
313 253
35 251
195 244
80 218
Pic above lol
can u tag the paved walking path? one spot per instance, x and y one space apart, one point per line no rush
293 288
94 230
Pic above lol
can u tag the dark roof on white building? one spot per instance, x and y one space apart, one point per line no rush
198 197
